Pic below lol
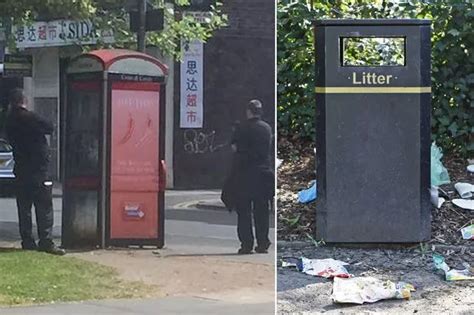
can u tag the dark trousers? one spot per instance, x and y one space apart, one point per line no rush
39 195
261 218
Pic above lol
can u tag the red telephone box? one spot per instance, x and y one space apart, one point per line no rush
113 168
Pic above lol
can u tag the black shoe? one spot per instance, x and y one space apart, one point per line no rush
30 245
244 251
53 250
262 249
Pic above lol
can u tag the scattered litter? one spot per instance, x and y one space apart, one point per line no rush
470 168
326 268
285 263
464 190
368 289
308 195
439 174
452 274
464 203
278 162
468 232
436 200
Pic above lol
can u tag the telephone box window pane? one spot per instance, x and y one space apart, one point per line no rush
83 132
372 51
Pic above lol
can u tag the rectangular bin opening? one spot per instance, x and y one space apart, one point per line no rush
372 51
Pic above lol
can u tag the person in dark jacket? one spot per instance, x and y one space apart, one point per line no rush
26 133
251 185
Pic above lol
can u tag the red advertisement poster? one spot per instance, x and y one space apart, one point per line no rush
134 164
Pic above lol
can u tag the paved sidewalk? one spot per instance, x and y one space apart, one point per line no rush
164 306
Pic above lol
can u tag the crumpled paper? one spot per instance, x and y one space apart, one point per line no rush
467 204
278 162
326 268
465 190
468 232
436 200
361 290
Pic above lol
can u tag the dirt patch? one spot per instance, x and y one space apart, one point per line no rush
297 221
449 219
211 277
302 294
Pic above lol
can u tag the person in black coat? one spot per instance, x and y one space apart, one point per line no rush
250 186
26 133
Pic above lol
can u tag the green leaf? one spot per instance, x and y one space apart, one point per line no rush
453 128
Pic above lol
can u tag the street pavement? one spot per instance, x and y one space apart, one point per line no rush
164 306
189 230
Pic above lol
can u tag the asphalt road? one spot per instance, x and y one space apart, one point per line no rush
187 228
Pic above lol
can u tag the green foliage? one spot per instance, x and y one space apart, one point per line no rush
113 14
452 62
452 74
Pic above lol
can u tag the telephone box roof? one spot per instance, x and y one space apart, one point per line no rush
120 61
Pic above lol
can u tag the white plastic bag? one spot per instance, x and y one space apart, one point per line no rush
465 190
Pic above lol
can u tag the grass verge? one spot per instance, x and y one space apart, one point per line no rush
28 277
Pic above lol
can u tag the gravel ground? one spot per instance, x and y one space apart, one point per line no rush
302 294
299 293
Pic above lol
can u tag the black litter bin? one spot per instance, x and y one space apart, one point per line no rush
373 130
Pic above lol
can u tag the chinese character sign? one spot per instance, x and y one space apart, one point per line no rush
59 33
191 105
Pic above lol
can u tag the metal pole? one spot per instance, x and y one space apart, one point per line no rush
142 29
105 160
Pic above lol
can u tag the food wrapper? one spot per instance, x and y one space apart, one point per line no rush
360 290
452 274
326 268
468 232
289 264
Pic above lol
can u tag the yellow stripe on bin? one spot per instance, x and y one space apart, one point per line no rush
373 90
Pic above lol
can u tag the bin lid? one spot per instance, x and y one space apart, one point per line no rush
121 61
